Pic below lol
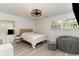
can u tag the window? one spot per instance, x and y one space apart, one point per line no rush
70 24
56 24
67 24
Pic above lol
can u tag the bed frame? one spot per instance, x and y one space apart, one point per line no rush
31 30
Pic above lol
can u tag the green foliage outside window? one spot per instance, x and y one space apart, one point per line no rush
67 24
70 24
55 25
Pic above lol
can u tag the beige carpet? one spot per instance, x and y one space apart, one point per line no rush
25 49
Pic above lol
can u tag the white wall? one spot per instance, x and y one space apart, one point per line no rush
43 26
20 22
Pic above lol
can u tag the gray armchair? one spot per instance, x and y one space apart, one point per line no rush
68 44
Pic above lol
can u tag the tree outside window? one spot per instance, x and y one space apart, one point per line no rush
56 24
70 24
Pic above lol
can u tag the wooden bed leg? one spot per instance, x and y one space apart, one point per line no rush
33 46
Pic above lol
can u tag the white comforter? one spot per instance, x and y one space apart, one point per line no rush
33 38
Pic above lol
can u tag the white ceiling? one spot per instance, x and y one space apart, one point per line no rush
24 9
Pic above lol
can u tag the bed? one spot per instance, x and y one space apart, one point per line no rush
31 37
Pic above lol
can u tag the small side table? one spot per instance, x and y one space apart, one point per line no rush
18 39
52 45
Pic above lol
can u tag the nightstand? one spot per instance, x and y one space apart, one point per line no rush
18 39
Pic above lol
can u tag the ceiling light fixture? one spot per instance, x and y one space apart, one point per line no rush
36 12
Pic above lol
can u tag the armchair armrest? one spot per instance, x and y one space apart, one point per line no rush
6 50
